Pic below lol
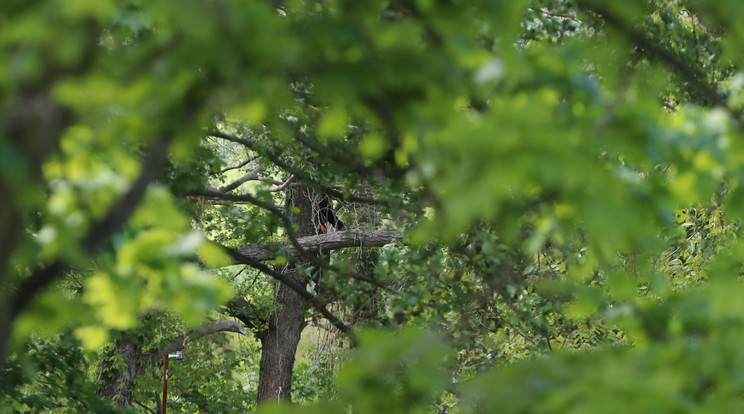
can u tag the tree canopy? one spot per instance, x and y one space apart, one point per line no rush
379 206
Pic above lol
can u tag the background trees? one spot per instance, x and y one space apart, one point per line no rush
524 180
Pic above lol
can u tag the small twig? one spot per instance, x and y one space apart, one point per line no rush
562 16
241 165
141 404
239 272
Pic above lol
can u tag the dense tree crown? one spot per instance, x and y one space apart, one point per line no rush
385 206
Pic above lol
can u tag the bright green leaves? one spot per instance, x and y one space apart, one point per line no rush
333 124
153 267
252 113
158 210
92 337
156 255
372 146
553 166
214 256
117 305
394 374
82 9
150 274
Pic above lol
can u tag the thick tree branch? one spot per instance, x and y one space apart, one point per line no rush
288 225
179 342
356 237
323 243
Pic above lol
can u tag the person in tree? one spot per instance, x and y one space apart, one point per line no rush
326 217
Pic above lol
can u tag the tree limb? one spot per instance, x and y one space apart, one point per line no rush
323 243
238 257
251 176
179 342
241 165
288 225
283 185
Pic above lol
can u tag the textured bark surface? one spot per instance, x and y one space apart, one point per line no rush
280 345
323 243
117 379
287 320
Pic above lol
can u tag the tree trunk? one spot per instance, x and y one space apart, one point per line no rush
287 319
280 344
117 380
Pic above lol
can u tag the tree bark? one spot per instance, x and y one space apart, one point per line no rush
279 345
323 243
117 380
287 320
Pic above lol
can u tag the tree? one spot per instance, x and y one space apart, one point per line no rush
566 175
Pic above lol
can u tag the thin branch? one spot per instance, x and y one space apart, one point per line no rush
112 222
142 405
299 289
560 15
655 51
283 186
251 176
343 158
270 180
301 175
241 165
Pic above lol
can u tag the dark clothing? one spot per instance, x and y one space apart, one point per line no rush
326 217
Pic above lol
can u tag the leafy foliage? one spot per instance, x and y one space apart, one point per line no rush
567 176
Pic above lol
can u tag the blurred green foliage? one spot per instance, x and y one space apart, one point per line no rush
567 174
